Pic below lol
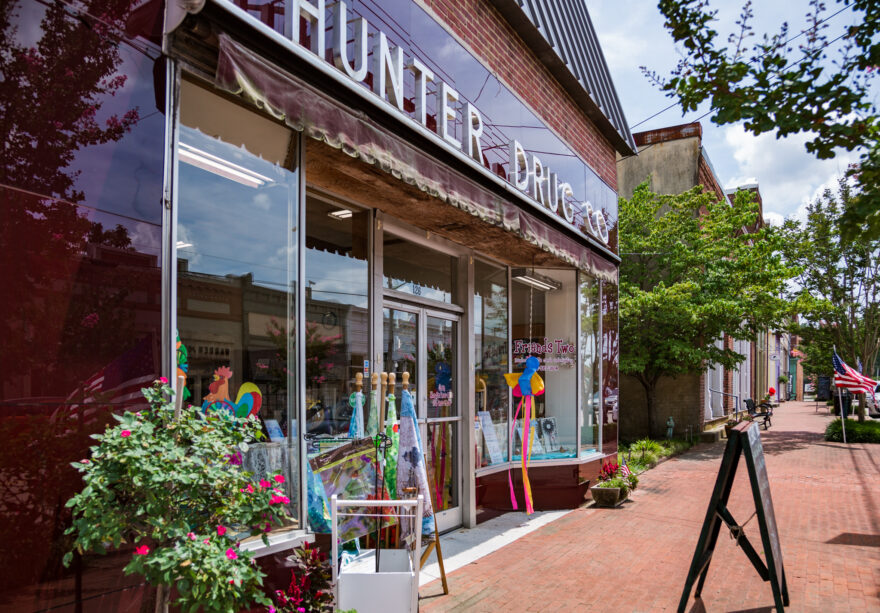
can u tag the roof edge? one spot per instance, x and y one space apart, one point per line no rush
546 54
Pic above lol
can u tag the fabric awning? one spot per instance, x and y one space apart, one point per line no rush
288 98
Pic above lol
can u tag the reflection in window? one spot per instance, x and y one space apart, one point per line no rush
544 325
490 360
417 270
337 320
236 259
588 300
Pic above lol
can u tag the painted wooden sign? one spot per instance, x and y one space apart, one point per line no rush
744 438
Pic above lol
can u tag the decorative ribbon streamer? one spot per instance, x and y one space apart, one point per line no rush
510 470
525 386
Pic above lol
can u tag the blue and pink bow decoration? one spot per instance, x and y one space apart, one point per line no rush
526 386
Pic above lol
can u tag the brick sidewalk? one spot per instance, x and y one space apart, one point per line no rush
827 502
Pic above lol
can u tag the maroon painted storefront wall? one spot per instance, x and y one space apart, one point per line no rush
82 126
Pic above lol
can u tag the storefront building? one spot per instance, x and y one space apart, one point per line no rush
301 192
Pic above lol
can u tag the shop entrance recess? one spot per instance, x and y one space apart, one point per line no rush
425 343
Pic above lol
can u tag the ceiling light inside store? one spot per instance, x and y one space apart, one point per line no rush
219 166
340 214
533 279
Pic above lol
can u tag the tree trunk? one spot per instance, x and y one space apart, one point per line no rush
162 594
861 410
650 387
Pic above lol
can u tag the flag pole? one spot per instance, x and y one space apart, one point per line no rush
840 402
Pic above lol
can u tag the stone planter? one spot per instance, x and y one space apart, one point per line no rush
607 496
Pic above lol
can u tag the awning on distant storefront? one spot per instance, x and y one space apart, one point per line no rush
288 98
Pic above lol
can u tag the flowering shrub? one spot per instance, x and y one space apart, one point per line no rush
620 476
310 589
171 489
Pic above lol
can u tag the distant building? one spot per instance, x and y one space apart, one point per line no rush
674 160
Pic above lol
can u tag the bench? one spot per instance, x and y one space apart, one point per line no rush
761 414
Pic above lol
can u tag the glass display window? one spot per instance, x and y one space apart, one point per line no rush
337 318
590 362
544 325
491 345
418 270
237 271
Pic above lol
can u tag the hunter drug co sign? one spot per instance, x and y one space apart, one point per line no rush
390 66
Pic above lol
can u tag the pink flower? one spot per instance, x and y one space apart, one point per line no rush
221 530
268 527
279 500
272 610
125 433
163 380
206 541
142 550
279 478
249 489
264 484
230 553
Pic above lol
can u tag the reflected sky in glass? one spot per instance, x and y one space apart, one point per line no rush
226 227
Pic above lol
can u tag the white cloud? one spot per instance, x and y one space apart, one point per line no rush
262 201
788 176
774 219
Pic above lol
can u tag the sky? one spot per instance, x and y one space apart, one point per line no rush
631 33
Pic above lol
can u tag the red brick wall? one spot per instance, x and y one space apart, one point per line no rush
707 179
681 397
483 29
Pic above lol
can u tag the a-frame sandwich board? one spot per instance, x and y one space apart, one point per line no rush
744 438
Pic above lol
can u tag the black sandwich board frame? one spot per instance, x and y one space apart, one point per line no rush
746 438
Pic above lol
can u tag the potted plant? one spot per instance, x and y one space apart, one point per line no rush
172 490
783 381
615 484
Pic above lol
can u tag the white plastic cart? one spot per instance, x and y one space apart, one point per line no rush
395 588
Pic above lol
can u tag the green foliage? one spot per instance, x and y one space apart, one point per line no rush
643 454
690 275
311 587
770 87
173 488
646 451
838 288
856 432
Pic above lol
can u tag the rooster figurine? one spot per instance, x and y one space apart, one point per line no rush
247 403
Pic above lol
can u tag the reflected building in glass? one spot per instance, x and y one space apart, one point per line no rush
214 186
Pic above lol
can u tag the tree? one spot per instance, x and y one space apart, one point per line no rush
838 287
690 276
771 87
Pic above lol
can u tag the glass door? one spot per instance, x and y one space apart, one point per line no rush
425 344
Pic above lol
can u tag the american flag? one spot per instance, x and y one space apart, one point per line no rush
116 386
848 378
624 470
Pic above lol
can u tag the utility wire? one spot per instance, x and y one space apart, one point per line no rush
795 37
709 112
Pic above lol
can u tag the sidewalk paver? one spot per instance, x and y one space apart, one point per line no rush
826 498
